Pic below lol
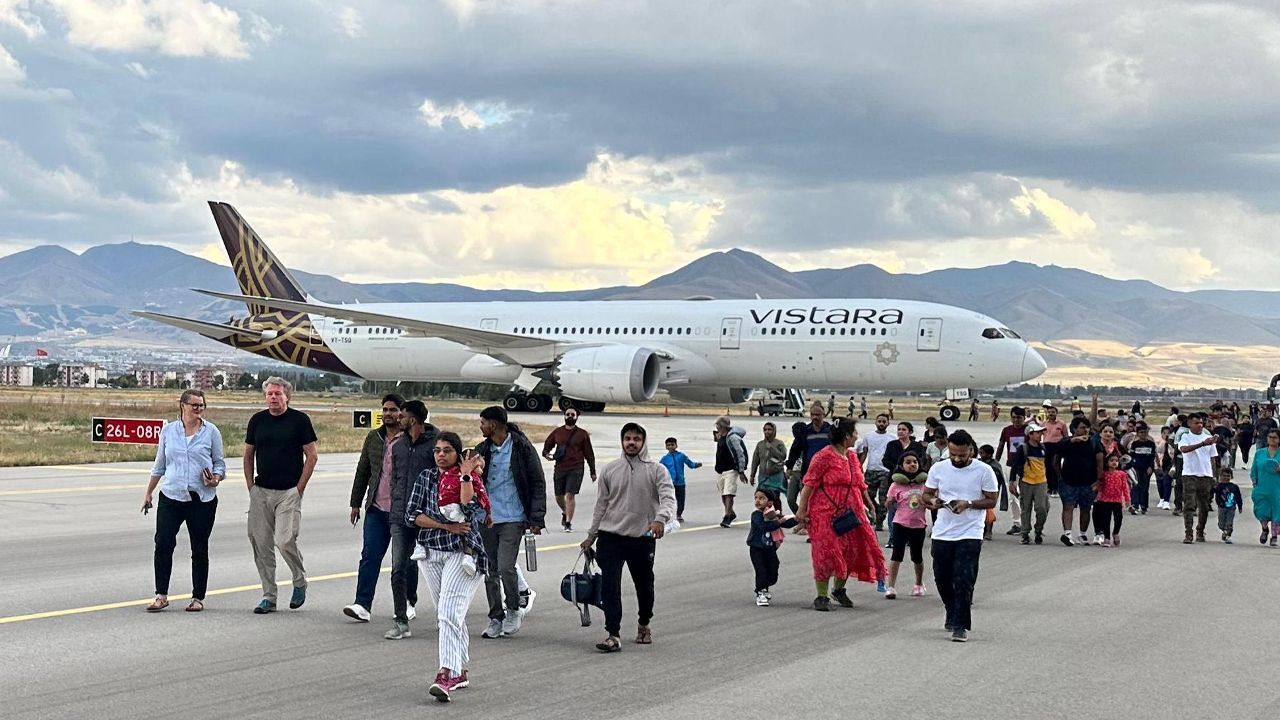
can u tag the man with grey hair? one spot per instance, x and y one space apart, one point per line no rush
280 445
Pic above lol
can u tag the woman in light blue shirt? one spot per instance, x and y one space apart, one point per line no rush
189 465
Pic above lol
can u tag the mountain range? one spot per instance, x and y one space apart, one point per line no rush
49 292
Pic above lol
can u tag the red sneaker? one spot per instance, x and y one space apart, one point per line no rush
463 682
444 686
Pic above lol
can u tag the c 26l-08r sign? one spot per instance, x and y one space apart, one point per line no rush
126 430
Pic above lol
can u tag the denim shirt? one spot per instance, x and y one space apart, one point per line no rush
504 498
181 462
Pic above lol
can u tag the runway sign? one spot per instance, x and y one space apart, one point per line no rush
366 419
125 430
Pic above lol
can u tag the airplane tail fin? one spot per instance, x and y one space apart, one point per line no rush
257 269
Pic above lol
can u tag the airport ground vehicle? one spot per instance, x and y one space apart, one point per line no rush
781 401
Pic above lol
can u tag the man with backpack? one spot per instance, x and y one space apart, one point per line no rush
731 464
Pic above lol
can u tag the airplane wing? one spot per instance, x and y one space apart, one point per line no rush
217 331
471 337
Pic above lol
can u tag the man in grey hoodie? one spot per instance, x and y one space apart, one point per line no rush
731 464
634 504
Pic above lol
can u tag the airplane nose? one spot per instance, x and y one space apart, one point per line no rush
1033 366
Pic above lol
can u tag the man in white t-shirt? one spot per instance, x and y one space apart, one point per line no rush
1199 449
961 490
870 449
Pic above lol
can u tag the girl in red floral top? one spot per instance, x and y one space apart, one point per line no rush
1113 499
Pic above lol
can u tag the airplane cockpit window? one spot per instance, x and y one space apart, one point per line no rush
992 334
1009 333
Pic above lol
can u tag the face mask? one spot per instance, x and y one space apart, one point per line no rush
570 420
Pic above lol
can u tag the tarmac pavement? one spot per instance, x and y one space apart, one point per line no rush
1151 629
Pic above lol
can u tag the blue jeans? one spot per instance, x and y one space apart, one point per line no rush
377 538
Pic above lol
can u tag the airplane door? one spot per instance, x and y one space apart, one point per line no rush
930 337
315 338
730 331
489 324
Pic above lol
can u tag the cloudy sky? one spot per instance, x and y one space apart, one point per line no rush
571 143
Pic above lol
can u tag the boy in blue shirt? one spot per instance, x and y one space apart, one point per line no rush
675 462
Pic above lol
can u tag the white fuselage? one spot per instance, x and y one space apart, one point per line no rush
833 344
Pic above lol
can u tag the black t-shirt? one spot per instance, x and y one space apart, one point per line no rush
1143 453
1079 461
277 442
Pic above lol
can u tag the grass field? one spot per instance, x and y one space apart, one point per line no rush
51 426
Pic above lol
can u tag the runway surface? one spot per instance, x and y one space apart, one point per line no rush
1152 629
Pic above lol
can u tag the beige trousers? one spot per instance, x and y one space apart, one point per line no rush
275 517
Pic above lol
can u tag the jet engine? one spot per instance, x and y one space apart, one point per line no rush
610 373
711 395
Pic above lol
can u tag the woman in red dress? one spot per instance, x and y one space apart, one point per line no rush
833 484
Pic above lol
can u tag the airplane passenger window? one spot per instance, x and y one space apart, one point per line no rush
1009 333
992 334
659 331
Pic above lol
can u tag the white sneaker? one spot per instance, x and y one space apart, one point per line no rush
419 552
411 613
526 601
469 565
356 612
1098 539
890 593
761 599
1084 538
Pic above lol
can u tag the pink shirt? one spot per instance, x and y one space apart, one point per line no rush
1114 487
382 496
909 509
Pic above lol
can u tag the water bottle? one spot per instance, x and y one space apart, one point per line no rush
530 551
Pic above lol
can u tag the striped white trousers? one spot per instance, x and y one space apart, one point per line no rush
452 590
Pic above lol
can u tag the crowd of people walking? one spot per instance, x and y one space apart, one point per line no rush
458 517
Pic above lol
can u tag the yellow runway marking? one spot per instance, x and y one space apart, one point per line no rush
250 588
87 488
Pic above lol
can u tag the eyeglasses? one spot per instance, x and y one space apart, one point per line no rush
443 450
195 406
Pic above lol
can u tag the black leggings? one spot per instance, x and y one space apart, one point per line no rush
765 562
904 537
170 514
679 501
1104 512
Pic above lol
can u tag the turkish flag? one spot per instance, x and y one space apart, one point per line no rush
42 353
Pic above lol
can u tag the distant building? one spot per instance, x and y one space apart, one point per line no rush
202 379
150 378
78 375
17 375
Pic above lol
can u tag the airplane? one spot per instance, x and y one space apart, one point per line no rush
597 352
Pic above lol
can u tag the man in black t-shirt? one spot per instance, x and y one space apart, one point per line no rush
281 445
1081 458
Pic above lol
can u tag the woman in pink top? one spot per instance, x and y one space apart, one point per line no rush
1111 502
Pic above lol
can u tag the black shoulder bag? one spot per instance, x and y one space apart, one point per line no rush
562 450
845 521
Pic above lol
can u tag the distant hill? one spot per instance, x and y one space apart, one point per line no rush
49 291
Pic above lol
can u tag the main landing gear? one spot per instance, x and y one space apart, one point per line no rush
540 403
949 413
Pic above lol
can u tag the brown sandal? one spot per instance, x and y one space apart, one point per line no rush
157 605
195 605
611 644
644 636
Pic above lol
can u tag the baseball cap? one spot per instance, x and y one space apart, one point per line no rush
1047 403
1035 427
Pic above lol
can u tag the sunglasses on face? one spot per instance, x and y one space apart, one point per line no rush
443 450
